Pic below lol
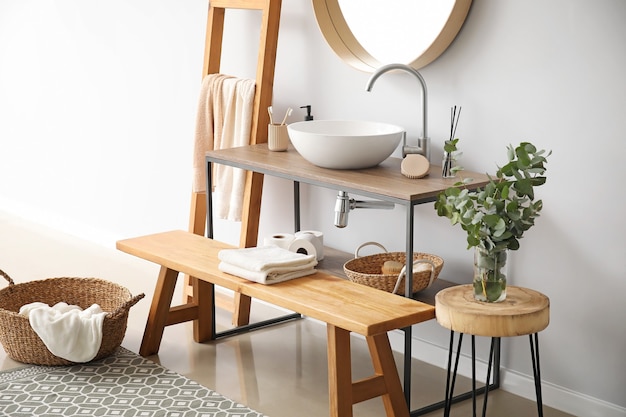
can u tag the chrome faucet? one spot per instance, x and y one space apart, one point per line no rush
423 143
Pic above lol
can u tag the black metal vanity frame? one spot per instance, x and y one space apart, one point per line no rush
263 165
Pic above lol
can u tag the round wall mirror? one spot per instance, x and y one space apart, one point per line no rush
368 34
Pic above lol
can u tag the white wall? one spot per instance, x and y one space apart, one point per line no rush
97 107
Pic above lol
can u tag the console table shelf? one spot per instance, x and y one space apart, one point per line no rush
384 181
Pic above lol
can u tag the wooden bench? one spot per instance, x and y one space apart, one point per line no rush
343 305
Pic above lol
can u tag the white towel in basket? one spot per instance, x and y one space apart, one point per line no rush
68 331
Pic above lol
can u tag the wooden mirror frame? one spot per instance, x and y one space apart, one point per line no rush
340 38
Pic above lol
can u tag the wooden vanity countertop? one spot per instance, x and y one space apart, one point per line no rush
384 180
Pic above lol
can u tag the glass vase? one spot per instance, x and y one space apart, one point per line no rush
446 166
490 275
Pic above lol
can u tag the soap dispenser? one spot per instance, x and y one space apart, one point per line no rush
308 116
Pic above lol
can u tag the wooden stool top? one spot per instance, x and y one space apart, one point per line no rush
524 311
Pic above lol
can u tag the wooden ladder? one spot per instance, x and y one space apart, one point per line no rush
260 119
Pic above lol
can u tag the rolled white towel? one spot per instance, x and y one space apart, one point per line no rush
266 258
67 331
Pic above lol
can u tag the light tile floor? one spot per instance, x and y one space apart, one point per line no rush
280 371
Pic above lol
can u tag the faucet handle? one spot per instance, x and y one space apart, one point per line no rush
422 148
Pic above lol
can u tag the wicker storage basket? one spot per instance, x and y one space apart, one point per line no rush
22 343
367 270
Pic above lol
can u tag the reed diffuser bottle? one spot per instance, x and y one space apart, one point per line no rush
450 152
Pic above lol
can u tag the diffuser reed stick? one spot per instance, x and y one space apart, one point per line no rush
450 145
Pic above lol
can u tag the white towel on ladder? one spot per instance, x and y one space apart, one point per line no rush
224 120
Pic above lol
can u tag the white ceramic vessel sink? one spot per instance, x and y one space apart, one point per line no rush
344 144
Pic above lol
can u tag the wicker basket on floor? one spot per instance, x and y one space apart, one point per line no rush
367 270
24 345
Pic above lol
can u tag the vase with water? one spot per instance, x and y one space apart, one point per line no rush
490 275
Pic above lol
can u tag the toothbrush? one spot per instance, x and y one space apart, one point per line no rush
269 110
289 110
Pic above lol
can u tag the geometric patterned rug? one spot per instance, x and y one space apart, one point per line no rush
122 385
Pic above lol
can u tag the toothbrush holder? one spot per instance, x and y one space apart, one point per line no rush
277 137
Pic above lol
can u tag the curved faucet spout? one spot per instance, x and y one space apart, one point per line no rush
423 142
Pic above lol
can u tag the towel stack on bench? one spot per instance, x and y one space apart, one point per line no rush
267 264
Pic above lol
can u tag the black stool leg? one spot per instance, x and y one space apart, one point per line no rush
491 355
448 397
534 353
451 379
473 376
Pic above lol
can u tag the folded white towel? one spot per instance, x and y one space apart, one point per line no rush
264 258
67 331
264 277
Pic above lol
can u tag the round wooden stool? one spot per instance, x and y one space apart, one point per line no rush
524 312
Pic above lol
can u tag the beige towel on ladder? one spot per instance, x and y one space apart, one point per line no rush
223 121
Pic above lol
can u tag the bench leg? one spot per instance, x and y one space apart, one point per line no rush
204 323
384 365
339 372
385 382
200 309
241 313
159 311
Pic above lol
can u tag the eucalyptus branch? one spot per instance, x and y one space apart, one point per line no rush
495 217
